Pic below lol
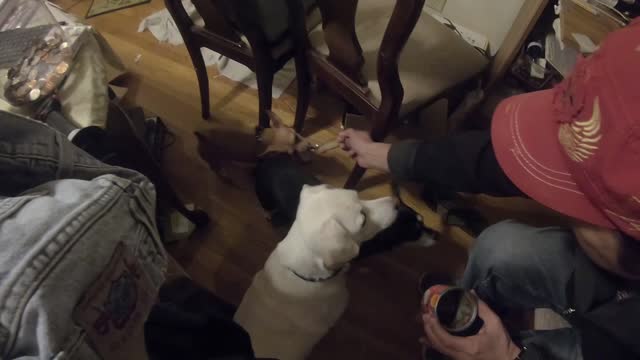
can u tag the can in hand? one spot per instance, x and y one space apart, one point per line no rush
455 308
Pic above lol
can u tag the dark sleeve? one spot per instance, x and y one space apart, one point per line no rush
460 160
402 160
463 162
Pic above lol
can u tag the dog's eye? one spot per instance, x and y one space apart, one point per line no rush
364 218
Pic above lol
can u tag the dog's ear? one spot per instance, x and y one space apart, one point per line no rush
338 247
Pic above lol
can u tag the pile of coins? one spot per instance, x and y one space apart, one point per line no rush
40 72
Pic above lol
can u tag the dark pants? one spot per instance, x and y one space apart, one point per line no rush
511 266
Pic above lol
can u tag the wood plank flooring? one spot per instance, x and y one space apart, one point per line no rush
380 321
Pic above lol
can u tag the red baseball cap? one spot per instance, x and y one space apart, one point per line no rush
576 148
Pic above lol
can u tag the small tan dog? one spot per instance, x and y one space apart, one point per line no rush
302 290
223 145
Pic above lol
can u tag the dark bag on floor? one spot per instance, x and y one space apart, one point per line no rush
188 322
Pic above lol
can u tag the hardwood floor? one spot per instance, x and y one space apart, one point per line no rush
380 322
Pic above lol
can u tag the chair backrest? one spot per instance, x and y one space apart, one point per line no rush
263 24
225 22
339 26
345 52
212 12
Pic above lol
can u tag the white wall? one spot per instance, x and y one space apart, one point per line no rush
492 18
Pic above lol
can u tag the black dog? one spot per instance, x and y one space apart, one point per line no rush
279 181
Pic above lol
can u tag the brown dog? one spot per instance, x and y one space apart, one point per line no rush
224 145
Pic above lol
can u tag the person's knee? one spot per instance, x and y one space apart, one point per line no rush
505 246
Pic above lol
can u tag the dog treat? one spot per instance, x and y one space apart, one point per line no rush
304 144
327 147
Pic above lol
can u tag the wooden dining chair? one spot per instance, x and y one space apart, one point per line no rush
255 33
387 59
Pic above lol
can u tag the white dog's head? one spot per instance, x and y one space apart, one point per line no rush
334 222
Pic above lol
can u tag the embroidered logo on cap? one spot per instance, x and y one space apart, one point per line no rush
580 138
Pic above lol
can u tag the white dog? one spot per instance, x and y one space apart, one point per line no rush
302 292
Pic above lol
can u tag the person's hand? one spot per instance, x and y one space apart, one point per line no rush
491 343
368 154
609 249
352 141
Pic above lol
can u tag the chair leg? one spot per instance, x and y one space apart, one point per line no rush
265 83
203 78
304 95
379 130
303 74
121 131
453 101
354 178
166 192
455 97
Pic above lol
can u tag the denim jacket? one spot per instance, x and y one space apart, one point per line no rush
80 256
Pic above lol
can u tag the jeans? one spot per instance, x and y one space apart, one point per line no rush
515 266
511 266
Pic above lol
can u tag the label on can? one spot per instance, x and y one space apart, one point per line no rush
455 308
432 296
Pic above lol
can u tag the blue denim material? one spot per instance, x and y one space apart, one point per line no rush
515 266
62 214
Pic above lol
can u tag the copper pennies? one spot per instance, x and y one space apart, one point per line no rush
54 59
24 71
35 59
33 74
62 68
23 90
40 72
48 87
54 41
